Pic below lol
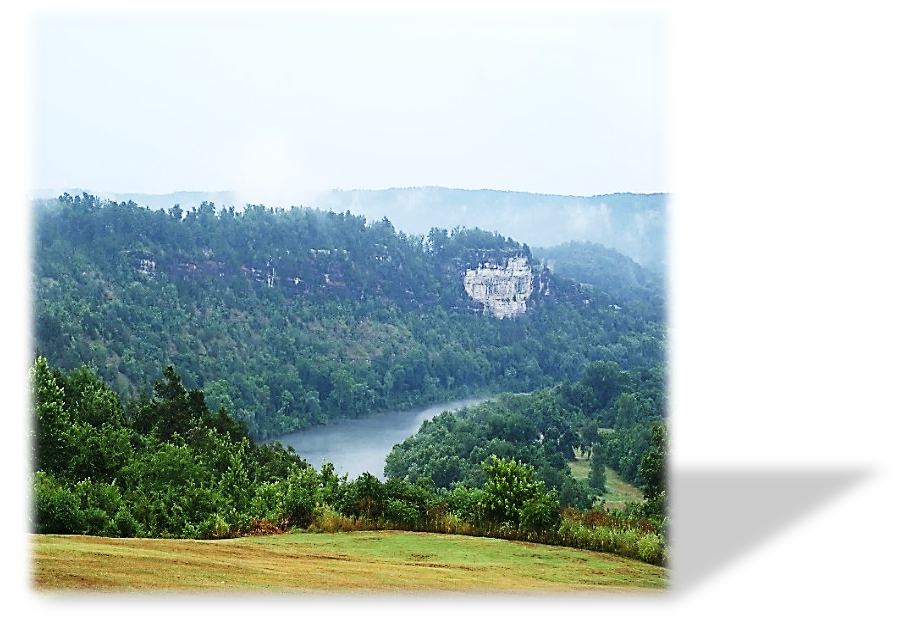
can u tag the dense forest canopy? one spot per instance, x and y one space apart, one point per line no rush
289 318
168 343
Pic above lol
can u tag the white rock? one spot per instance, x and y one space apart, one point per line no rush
503 290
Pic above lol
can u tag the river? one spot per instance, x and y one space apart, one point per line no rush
361 445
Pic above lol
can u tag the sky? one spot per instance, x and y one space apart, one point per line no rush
274 106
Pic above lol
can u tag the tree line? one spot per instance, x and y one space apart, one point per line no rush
169 466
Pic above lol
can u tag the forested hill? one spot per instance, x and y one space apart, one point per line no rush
632 223
293 317
605 269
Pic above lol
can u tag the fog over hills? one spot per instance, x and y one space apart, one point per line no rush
632 223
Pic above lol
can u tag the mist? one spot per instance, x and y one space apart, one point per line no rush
633 224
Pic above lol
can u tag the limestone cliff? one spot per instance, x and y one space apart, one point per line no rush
502 288
501 283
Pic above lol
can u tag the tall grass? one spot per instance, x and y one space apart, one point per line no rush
595 530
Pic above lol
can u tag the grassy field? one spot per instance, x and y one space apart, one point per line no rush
618 491
365 561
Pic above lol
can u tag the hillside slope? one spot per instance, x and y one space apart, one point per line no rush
292 318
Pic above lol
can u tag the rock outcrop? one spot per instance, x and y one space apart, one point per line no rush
500 283
503 290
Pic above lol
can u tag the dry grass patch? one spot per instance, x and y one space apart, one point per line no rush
372 561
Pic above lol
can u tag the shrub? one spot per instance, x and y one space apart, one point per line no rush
96 521
540 514
124 523
268 502
105 496
302 496
362 498
57 510
569 513
402 515
213 527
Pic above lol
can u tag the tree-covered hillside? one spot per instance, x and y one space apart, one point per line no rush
633 223
628 283
287 318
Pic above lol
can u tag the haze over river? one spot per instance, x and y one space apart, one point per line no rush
361 445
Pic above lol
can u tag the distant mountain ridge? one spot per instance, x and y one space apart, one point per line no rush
634 224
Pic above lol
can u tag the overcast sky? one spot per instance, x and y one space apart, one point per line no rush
276 106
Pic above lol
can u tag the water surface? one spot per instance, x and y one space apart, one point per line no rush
361 445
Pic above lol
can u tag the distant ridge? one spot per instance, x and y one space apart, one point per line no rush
632 223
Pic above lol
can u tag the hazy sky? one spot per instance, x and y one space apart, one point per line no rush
277 105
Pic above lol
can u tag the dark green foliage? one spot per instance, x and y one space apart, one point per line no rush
125 525
89 400
535 429
52 443
540 514
630 287
184 471
604 381
365 497
597 477
302 496
463 501
56 508
512 496
274 462
99 452
264 321
408 503
574 494
652 468
329 483
653 472
203 484
290 318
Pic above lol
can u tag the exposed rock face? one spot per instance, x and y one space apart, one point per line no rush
502 289
496 282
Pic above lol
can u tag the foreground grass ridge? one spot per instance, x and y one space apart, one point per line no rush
363 561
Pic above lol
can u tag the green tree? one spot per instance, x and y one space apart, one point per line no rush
659 469
329 484
302 496
364 497
627 410
57 509
52 433
598 478
605 379
509 487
